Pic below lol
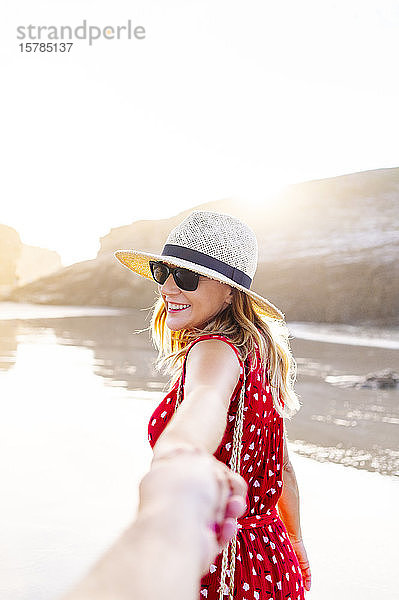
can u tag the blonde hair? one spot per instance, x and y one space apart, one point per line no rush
246 324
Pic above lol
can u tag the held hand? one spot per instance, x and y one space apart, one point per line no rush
190 478
299 549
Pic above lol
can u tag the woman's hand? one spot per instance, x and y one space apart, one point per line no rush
299 549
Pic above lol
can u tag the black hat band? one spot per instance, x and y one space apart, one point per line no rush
209 262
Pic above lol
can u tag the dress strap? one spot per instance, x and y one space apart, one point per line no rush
209 336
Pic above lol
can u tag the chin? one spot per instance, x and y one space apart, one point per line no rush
173 326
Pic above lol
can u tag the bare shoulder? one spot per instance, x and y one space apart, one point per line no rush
212 362
213 349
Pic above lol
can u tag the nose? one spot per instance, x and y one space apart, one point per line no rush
169 287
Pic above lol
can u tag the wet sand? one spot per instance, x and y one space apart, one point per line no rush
357 427
350 526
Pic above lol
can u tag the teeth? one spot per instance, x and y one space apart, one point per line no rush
178 306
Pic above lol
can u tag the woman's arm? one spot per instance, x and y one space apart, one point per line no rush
288 506
212 372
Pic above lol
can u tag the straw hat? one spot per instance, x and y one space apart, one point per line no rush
216 245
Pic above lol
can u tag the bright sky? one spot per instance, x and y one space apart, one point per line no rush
221 98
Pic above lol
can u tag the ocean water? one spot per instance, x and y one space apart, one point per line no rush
77 387
349 335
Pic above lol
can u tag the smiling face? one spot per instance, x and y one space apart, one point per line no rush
186 310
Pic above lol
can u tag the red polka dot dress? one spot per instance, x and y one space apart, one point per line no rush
266 566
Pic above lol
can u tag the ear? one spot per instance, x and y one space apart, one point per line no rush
229 295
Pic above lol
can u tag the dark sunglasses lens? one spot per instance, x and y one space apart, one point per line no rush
186 280
160 272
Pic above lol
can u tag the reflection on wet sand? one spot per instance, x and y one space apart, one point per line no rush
351 426
122 356
357 427
8 344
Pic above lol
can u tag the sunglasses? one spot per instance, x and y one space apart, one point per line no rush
184 279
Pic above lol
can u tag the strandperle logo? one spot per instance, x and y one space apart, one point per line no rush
86 32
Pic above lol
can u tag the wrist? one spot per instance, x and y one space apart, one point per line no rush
169 450
295 538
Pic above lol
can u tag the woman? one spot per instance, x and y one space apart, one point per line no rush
232 386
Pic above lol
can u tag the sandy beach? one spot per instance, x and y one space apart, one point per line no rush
77 393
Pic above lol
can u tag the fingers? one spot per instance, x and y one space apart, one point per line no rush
238 485
235 507
227 532
232 492
223 494
306 577
230 505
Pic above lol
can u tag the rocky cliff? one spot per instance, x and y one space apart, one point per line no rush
35 263
20 263
10 250
328 251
